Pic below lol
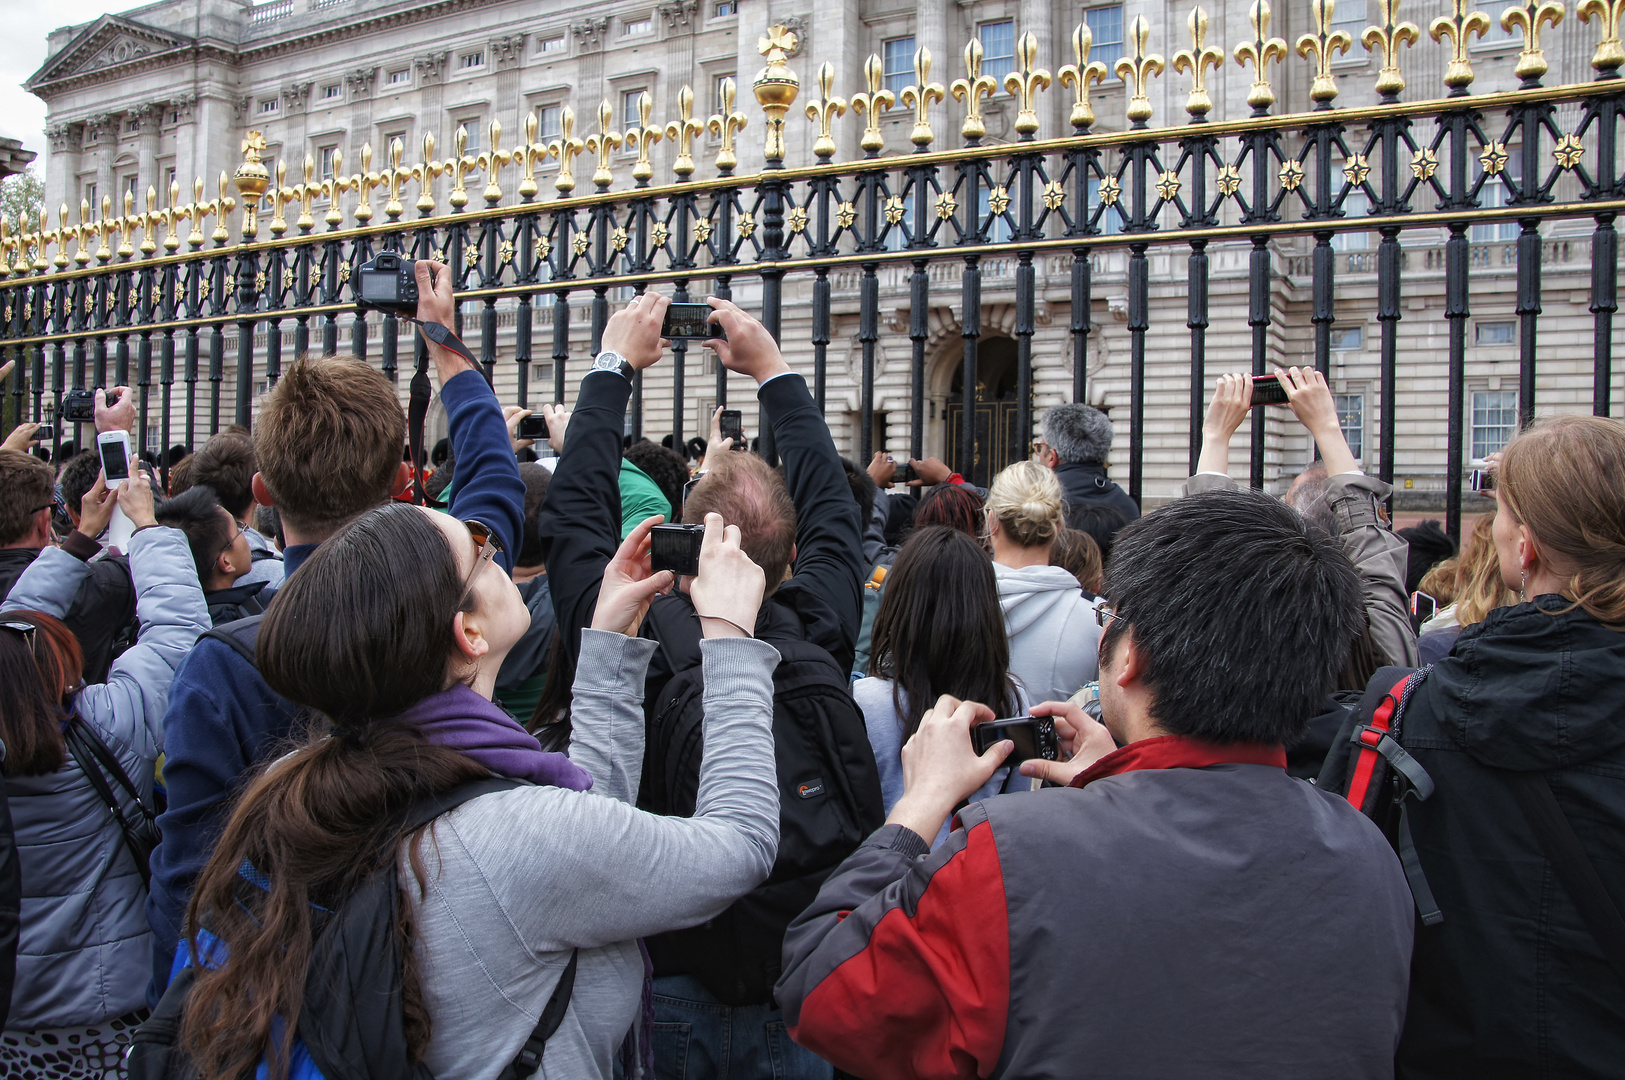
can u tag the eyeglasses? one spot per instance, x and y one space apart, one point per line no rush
240 530
1104 613
488 547
27 629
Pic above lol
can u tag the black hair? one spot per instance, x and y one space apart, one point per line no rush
940 630
864 490
1429 546
665 467
441 451
536 479
1243 615
77 477
1100 521
175 453
66 452
196 512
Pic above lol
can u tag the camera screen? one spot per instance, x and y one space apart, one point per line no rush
687 321
115 463
732 426
380 285
1267 390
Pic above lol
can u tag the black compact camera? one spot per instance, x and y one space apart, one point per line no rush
79 406
533 427
1267 390
676 548
690 322
1034 737
45 433
387 283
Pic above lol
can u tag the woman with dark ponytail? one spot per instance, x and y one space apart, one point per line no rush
1522 729
392 635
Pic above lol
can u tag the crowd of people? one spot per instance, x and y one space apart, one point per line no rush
631 760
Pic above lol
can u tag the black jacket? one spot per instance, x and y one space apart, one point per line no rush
237 602
1087 483
1511 983
11 902
581 517
102 616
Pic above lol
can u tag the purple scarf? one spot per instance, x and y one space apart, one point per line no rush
461 719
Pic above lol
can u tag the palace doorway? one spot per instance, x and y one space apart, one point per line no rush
998 440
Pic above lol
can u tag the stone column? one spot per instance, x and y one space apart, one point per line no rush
360 82
679 67
508 56
931 32
146 154
295 105
61 167
187 162
1035 18
590 34
105 125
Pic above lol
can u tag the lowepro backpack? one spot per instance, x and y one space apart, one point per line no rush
352 1024
829 802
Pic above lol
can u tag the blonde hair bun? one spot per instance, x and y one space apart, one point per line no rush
1028 501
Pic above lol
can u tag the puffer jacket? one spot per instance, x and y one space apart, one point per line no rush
1511 983
86 950
1054 635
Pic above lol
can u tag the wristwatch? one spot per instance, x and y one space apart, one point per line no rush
608 360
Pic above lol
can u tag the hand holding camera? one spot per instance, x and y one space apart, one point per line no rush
941 767
557 419
1311 400
1082 739
748 348
630 584
135 499
634 331
727 592
115 409
23 436
96 508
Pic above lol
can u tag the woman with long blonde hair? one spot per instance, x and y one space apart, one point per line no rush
1522 729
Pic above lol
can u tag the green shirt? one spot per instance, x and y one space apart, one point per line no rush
641 497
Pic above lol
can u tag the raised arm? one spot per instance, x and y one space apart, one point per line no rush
829 536
581 517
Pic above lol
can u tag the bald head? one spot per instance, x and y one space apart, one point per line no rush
749 493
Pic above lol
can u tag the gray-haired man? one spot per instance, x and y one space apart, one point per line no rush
1076 441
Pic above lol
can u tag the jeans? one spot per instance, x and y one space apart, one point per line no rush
696 1037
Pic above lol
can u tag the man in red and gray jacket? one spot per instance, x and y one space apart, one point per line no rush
1183 907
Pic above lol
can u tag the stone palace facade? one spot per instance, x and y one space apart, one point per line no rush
164 93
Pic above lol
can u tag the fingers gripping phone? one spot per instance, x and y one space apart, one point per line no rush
690 322
114 447
732 426
1034 737
1267 390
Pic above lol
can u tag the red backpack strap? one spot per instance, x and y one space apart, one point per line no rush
1370 737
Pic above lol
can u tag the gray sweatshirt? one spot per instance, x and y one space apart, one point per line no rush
519 878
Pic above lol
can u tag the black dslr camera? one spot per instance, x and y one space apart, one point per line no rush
387 283
79 406
676 548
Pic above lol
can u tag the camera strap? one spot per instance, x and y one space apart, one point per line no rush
417 410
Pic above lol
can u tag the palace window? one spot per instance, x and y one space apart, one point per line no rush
998 49
90 197
720 106
324 161
1356 204
897 55
549 122
1351 17
1351 418
1111 219
1494 194
469 60
1494 333
332 92
998 229
1495 420
400 77
471 129
725 8
267 105
1347 338
550 45
629 106
1106 24
644 25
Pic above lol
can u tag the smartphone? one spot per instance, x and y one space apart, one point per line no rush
1483 480
676 548
690 322
732 426
114 447
1034 737
533 427
79 406
1267 390
45 433
1423 607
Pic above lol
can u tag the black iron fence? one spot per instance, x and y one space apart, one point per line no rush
130 305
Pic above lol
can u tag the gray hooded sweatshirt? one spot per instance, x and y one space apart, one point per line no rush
1054 638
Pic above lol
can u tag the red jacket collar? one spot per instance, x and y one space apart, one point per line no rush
1179 752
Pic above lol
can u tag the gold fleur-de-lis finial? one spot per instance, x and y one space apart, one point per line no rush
1195 60
682 131
490 162
604 142
281 195
307 190
566 148
1139 67
1527 17
460 164
1611 13
127 225
104 230
872 103
149 222
224 205
196 211
971 90
529 154
824 111
366 180
1079 74
1324 43
1610 54
1459 27
333 189
394 177
1259 52
642 138
1025 82
725 124
425 171
919 97
1389 37
776 88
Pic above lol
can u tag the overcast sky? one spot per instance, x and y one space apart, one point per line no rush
22 51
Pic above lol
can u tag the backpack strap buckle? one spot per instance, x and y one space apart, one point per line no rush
1399 759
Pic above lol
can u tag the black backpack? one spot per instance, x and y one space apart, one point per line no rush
351 1023
829 801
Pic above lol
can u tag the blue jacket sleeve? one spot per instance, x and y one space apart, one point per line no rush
489 489
581 516
829 570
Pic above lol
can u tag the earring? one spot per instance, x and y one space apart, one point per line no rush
1522 586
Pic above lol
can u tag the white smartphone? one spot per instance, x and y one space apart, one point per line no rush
114 447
